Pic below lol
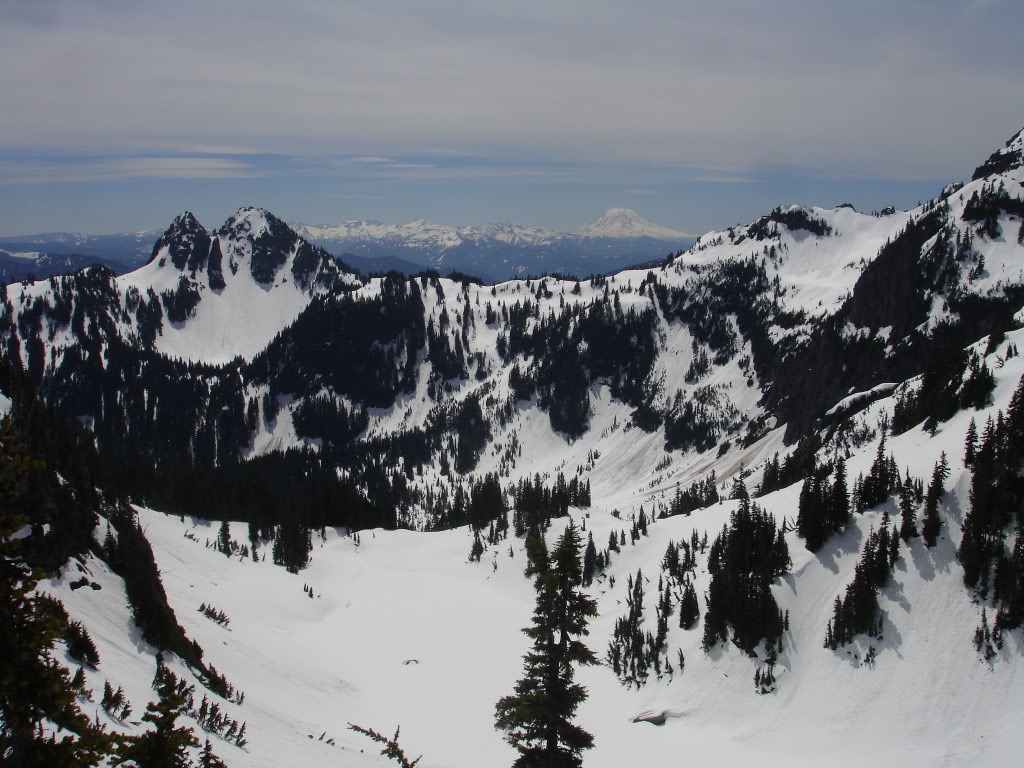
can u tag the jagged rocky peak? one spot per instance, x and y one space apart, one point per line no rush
186 243
252 223
1002 160
257 236
267 243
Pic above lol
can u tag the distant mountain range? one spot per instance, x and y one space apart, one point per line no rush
57 253
495 252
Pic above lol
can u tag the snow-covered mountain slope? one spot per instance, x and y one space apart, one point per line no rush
400 629
254 280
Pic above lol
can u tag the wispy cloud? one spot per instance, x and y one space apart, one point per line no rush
92 170
724 179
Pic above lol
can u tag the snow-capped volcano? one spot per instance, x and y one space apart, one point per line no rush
623 222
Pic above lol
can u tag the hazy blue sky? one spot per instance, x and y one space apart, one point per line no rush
118 114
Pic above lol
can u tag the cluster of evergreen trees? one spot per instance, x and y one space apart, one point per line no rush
536 504
992 547
986 205
944 390
215 615
36 689
701 493
744 560
632 650
635 651
323 417
882 480
858 611
824 506
781 474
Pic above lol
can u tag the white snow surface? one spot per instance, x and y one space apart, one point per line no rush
402 630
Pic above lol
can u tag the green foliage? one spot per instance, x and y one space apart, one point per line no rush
537 718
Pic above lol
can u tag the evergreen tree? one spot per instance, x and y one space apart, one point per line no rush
208 758
970 443
589 561
839 499
932 523
165 746
689 609
224 538
908 511
537 719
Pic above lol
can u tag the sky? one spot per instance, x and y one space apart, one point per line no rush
115 115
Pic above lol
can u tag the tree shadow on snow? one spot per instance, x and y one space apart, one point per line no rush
864 649
893 591
841 544
938 559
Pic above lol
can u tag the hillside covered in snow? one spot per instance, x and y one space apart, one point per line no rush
795 447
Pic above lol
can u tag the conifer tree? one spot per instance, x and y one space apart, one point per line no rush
970 443
932 523
689 609
589 561
209 759
908 511
537 718
165 746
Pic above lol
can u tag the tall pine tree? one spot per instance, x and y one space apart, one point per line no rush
537 718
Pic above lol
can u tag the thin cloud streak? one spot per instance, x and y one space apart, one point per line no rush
124 168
